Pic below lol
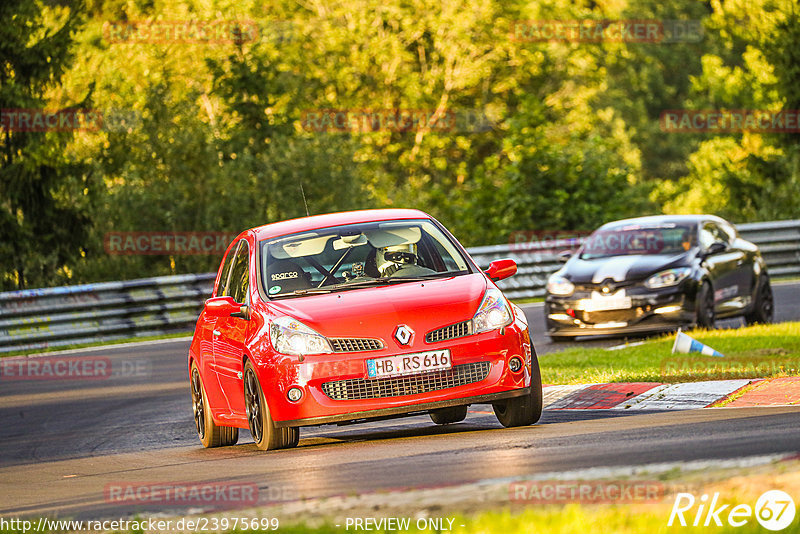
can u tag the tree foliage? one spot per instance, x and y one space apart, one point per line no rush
548 135
44 211
753 63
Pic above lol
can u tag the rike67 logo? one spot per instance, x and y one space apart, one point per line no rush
774 510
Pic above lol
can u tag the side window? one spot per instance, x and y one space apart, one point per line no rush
240 274
720 234
707 235
730 231
223 277
711 233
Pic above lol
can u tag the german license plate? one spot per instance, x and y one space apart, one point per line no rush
407 364
614 302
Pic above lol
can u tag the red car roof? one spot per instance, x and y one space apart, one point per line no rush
306 224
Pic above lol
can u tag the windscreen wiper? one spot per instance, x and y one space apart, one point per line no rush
431 276
354 285
372 282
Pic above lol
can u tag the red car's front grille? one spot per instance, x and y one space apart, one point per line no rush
377 388
449 332
355 344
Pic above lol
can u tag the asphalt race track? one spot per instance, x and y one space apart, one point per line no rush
63 442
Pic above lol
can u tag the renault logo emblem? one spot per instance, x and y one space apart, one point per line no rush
403 334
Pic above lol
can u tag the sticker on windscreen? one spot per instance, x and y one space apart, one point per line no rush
274 289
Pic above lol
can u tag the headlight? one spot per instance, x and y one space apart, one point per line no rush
290 336
668 278
493 313
558 285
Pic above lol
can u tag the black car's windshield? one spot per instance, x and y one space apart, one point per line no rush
638 239
356 256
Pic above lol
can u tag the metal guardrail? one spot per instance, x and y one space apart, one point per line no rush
59 316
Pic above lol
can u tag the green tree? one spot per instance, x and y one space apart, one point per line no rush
755 65
44 210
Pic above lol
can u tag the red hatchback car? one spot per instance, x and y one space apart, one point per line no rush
351 317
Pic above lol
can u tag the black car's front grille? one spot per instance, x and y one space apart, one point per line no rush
612 287
355 344
452 331
377 388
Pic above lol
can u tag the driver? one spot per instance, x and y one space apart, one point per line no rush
400 259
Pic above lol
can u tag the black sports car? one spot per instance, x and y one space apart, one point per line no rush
658 273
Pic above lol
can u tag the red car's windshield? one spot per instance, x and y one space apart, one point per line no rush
358 255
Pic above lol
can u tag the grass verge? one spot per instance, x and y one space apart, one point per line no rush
761 351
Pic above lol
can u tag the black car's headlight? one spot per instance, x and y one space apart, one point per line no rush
668 278
560 286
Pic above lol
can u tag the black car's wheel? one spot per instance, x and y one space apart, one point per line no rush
525 410
704 307
210 434
444 416
265 434
764 306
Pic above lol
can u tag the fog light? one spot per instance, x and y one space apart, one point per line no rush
515 364
294 394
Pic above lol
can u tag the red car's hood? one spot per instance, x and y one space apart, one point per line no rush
377 311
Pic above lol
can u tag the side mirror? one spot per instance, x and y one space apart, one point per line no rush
226 307
564 256
715 248
501 269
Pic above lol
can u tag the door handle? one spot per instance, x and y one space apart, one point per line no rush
216 332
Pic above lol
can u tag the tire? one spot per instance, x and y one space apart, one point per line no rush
525 410
210 434
763 310
704 307
445 416
265 434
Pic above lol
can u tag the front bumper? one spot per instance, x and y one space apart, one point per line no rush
490 351
651 311
387 413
